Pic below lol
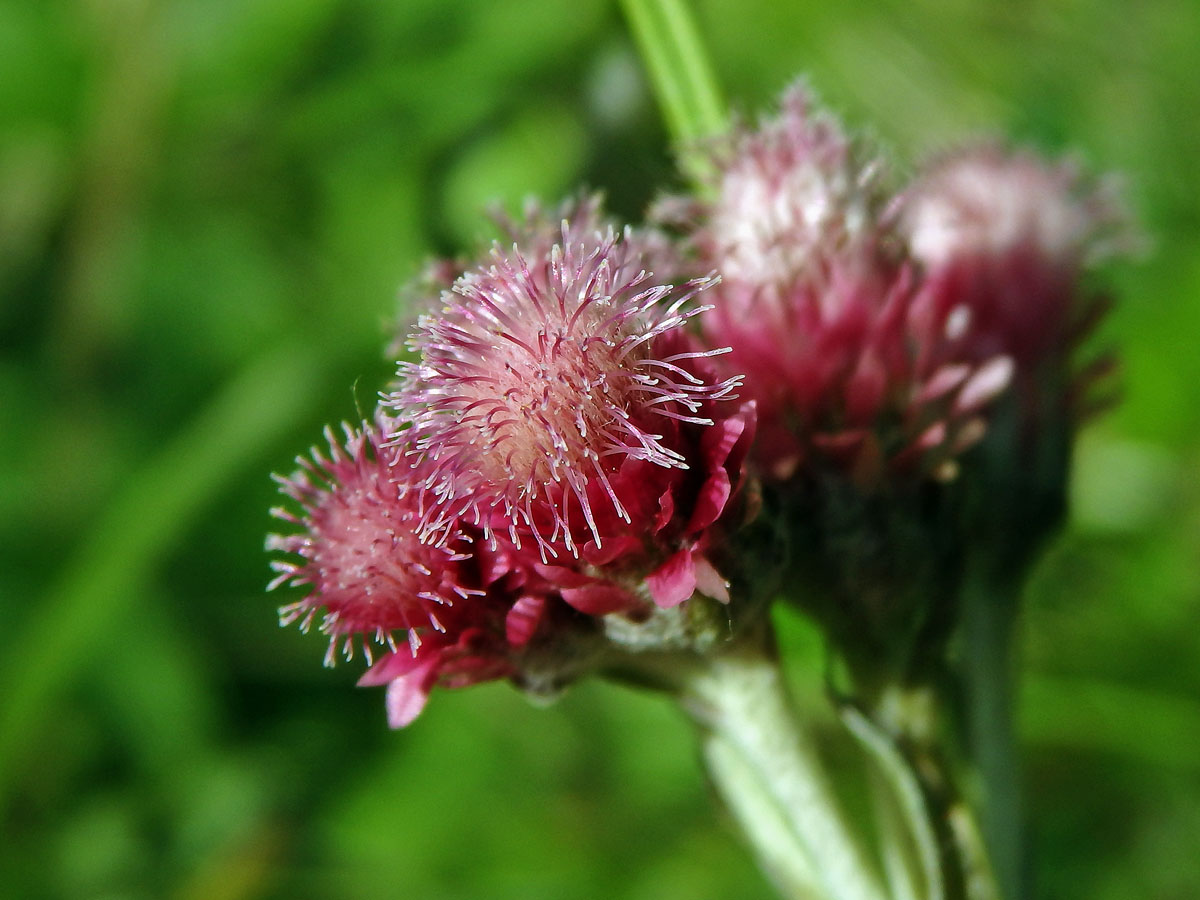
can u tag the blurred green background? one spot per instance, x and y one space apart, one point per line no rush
206 209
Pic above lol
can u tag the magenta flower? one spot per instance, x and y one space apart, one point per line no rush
370 575
463 610
1004 237
437 611
544 375
824 312
788 193
563 451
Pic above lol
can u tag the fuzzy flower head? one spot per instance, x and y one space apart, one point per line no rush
540 377
823 310
1004 237
371 578
462 610
448 614
788 191
989 201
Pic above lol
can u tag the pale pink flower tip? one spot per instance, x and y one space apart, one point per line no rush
1003 237
788 192
540 377
370 575
840 344
991 201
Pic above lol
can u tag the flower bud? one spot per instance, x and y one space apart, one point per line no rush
824 310
373 581
1004 238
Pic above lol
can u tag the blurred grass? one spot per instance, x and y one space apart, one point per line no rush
186 187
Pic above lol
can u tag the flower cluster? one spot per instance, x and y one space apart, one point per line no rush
882 330
591 414
1005 239
841 339
560 450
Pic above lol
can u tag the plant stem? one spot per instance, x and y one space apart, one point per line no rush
989 674
905 811
763 758
900 868
762 821
681 75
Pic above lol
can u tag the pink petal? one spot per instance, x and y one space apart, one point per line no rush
407 695
674 581
748 416
720 438
933 436
613 549
988 381
709 581
666 509
711 501
942 382
865 390
393 666
494 566
561 576
522 620
599 599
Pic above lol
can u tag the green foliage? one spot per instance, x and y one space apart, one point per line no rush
206 209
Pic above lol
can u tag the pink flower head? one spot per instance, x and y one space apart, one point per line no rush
463 610
1004 237
372 578
536 231
557 405
990 201
823 310
541 377
370 575
789 193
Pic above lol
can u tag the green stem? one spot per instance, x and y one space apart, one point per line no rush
761 820
902 734
900 866
739 700
906 794
681 74
989 674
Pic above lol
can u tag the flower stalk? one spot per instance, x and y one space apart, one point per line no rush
989 675
912 858
756 809
904 736
681 74
759 753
